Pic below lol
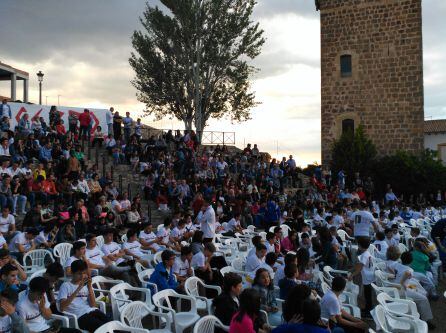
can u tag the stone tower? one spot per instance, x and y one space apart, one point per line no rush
372 72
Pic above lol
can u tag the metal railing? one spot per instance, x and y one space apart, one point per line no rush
207 137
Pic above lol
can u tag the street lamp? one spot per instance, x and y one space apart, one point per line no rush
40 79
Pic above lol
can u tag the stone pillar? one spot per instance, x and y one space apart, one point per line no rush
25 90
13 86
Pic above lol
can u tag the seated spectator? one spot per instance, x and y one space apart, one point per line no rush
67 233
133 249
77 297
98 137
35 309
264 285
201 263
10 321
289 281
311 321
9 278
256 259
182 266
289 242
163 276
22 243
149 240
7 223
244 320
227 303
331 308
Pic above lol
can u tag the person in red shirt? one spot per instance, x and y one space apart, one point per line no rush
49 187
84 122
361 194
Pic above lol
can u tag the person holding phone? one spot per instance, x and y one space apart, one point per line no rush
35 310
77 296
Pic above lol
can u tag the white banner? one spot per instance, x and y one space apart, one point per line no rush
35 110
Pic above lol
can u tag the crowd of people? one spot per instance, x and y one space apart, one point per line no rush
210 198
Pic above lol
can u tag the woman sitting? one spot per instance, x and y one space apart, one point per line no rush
265 286
245 320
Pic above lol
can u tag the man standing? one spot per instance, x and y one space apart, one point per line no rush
109 119
6 109
84 122
127 121
207 221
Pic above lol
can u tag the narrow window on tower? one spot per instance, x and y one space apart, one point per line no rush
348 125
346 65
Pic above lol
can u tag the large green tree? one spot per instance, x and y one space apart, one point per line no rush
191 60
353 152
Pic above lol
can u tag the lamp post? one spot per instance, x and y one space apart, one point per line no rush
40 79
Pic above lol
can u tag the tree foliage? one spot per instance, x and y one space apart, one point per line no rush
191 60
353 152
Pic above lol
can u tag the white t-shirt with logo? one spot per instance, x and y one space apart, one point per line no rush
5 324
112 248
198 260
80 304
164 233
95 256
134 248
31 314
177 233
367 272
70 261
19 239
362 220
253 262
5 222
180 267
330 305
149 238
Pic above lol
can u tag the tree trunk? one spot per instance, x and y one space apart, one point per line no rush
188 124
199 127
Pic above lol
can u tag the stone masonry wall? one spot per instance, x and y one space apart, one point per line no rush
385 92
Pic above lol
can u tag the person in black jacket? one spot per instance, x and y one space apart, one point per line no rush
227 303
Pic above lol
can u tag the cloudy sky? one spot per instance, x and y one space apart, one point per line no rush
83 48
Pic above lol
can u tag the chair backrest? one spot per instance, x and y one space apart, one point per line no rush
157 257
325 287
39 273
226 269
342 234
207 324
161 298
380 316
118 298
402 247
191 286
113 326
239 264
139 267
263 235
285 230
100 241
62 252
124 238
36 258
145 275
132 313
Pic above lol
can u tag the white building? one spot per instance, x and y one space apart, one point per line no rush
435 137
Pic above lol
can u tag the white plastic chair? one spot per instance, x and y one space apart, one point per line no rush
40 272
389 322
329 273
403 248
239 264
100 241
35 260
113 326
101 287
62 252
192 286
392 292
345 298
207 324
133 313
181 320
398 307
124 238
157 257
144 277
120 295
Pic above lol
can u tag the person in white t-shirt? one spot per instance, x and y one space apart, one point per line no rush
234 224
77 297
78 250
111 249
22 243
182 266
34 308
208 222
270 242
10 320
364 266
164 234
381 245
133 248
362 221
149 240
201 262
7 223
331 308
254 261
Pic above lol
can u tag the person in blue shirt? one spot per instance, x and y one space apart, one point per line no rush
163 275
9 278
272 212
